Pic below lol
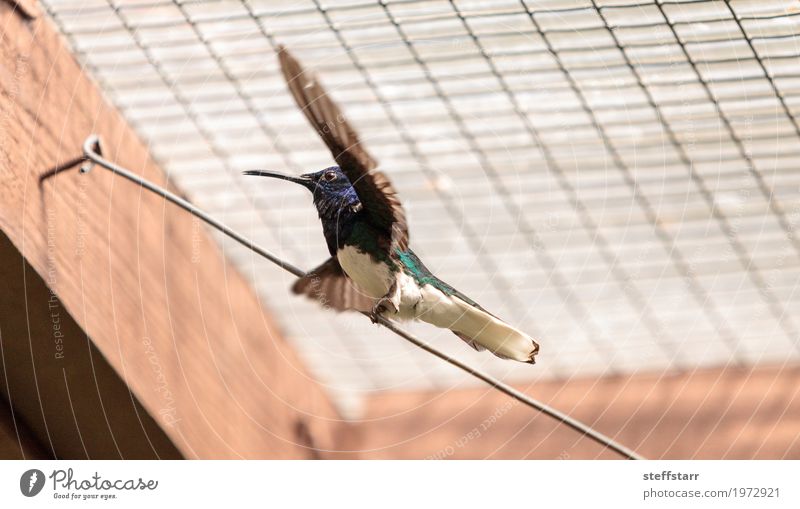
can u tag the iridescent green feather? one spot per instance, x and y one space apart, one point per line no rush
414 267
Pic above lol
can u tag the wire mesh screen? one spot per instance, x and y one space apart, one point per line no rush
618 178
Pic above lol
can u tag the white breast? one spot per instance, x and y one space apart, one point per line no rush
373 277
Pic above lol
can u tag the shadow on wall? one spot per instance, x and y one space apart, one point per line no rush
60 398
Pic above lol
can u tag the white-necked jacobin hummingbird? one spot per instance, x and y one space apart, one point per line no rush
371 267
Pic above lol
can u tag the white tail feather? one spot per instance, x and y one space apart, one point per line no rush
474 324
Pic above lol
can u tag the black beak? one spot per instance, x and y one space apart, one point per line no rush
303 180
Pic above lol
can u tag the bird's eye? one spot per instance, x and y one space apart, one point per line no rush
329 176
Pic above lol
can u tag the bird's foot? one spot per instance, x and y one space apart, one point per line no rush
373 316
383 305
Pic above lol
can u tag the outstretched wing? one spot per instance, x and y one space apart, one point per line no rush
376 193
328 285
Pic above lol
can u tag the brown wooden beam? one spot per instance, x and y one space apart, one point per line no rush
706 414
17 442
143 280
58 386
27 9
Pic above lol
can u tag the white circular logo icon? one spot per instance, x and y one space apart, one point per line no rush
31 482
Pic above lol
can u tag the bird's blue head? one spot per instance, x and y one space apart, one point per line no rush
334 196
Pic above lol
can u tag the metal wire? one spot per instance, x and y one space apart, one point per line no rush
545 259
581 96
777 309
92 151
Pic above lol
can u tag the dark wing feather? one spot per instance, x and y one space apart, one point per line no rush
328 285
376 193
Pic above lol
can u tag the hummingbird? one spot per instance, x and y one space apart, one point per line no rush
372 268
